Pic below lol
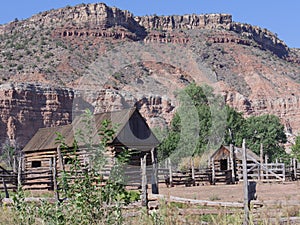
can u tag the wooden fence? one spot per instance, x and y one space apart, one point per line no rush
44 180
8 179
171 178
297 177
256 171
269 171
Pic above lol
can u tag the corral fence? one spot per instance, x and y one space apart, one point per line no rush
132 176
187 178
264 172
8 179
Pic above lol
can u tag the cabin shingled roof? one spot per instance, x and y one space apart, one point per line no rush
238 153
45 137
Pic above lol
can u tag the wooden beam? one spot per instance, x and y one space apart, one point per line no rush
213 170
245 182
154 172
144 196
60 159
193 169
54 176
295 168
5 188
170 172
266 165
261 155
20 172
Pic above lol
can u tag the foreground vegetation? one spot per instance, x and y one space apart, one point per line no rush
168 213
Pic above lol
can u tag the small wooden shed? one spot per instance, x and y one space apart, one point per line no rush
226 163
131 132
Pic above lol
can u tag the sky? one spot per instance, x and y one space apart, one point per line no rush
280 17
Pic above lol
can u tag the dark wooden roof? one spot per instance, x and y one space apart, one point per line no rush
130 128
225 150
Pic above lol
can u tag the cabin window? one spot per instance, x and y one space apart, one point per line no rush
68 161
223 164
36 164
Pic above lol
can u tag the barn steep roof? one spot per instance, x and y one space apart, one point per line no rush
130 128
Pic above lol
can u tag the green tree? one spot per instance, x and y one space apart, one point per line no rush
296 149
202 122
268 130
235 126
196 124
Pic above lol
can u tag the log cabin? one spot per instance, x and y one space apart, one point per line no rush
131 131
226 163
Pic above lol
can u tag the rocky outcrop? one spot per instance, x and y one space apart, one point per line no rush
85 16
94 19
95 33
24 108
170 37
285 107
168 23
228 39
266 39
157 110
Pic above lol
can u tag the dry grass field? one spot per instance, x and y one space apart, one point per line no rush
266 192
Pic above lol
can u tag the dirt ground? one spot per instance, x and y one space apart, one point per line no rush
266 192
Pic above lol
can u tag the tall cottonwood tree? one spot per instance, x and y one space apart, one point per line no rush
227 126
266 130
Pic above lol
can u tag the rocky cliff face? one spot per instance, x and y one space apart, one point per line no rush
168 23
285 107
85 16
266 39
24 108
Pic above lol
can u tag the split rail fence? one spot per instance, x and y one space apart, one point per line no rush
44 180
270 172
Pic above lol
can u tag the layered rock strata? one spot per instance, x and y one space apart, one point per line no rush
24 108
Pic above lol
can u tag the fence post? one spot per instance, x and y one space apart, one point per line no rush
144 196
14 164
232 163
213 171
266 166
261 158
5 188
54 176
295 168
170 172
60 158
20 173
283 171
154 172
245 182
193 169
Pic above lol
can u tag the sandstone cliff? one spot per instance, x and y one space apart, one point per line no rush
24 108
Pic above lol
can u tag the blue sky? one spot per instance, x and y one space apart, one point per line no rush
281 17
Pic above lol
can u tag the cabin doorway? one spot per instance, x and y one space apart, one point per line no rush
223 164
